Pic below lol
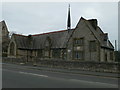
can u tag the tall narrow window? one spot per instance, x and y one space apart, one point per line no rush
92 46
105 57
12 49
78 55
78 47
111 55
47 47
40 53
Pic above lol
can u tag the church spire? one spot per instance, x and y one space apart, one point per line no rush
69 19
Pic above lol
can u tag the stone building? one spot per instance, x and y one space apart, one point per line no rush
5 38
86 42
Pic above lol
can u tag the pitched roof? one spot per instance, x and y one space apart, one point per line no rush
3 24
98 33
21 41
58 40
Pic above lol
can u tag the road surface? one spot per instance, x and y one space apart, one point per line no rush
16 76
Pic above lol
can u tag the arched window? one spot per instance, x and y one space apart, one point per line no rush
12 49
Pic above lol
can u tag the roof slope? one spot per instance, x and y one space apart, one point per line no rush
3 24
21 41
59 39
98 33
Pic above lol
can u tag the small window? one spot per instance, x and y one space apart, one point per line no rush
40 53
47 43
106 57
12 49
64 53
111 55
46 53
92 46
78 41
78 55
56 53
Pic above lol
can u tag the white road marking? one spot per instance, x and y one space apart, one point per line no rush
83 74
33 74
25 73
90 82
112 85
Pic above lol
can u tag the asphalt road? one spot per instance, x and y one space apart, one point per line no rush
16 76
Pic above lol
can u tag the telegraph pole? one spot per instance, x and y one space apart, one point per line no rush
115 45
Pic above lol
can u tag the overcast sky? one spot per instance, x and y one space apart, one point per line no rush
37 17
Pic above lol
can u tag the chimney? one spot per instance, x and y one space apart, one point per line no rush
93 23
105 36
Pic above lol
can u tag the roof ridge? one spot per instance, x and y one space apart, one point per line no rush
49 32
20 35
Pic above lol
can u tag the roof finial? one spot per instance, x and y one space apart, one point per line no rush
69 19
69 5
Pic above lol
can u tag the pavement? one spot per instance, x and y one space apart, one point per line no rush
72 71
19 76
77 71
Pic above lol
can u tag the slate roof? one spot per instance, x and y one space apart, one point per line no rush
21 41
59 39
98 33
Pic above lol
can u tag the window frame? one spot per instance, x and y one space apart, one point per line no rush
95 46
78 57
75 45
111 55
12 49
40 53
78 44
55 51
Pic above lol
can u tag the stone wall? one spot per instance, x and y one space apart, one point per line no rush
5 38
90 66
